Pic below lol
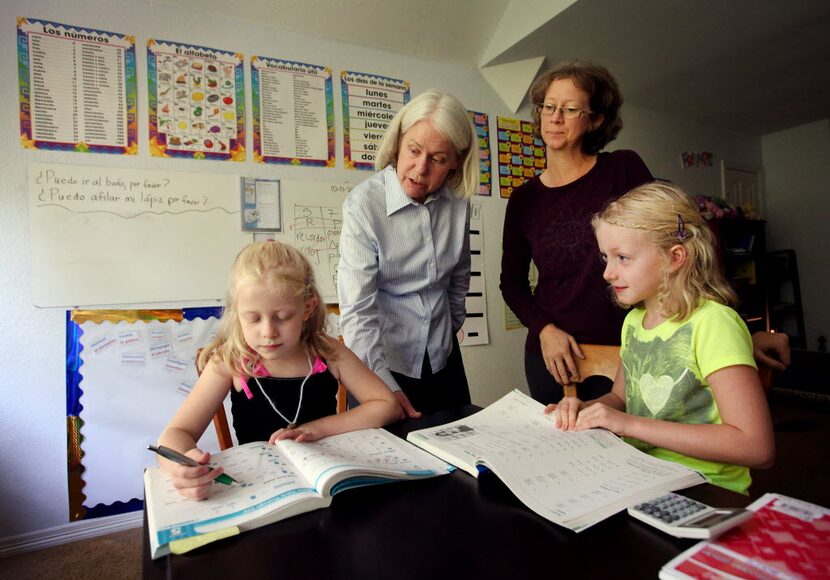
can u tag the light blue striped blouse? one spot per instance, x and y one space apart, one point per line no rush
403 275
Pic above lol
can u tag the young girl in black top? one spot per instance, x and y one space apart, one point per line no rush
280 367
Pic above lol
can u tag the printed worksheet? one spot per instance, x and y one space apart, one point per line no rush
571 478
266 479
274 482
366 453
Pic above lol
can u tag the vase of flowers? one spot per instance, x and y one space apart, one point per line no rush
711 208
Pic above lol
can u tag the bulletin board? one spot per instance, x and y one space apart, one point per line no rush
128 371
108 235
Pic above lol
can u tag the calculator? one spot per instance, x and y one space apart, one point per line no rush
686 518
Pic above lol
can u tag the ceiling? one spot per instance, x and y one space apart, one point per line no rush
752 66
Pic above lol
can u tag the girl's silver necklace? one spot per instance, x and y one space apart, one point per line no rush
291 424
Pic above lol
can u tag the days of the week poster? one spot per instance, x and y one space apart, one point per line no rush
369 105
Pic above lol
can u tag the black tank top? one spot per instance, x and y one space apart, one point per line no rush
255 420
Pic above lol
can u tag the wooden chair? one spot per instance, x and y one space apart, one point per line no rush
600 360
342 395
220 419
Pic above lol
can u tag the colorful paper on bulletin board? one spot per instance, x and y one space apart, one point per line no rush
293 110
521 154
482 127
196 99
369 105
127 371
77 88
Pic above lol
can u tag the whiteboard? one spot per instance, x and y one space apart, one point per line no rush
312 214
107 235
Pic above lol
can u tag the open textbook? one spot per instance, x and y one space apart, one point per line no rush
786 539
277 482
574 479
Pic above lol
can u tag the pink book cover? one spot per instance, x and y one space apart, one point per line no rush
786 538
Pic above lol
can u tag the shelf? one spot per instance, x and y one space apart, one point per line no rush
742 253
784 290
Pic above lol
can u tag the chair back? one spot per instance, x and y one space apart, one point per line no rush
220 419
603 360
342 395
600 360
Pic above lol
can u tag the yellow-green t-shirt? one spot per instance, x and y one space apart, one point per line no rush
665 377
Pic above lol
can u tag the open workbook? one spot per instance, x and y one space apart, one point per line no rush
279 481
573 479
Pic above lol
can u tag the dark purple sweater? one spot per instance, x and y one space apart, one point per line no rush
552 226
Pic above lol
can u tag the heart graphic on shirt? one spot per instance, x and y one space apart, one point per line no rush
655 392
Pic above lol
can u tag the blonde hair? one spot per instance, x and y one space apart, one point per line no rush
669 217
282 267
449 117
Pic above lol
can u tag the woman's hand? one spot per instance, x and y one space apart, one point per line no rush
771 349
407 411
558 351
192 482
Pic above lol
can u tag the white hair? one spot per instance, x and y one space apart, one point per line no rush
449 117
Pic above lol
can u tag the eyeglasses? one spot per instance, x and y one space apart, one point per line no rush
568 111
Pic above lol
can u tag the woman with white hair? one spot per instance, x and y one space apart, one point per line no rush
404 265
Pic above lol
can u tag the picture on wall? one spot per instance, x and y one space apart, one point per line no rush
77 88
293 110
482 127
196 99
369 105
521 154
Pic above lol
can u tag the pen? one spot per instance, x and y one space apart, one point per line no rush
174 455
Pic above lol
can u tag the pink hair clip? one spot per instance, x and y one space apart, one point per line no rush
319 366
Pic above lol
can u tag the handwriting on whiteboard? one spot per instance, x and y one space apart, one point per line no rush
316 231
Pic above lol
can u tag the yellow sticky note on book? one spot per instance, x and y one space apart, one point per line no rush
186 544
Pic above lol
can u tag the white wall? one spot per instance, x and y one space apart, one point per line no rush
660 138
797 165
32 417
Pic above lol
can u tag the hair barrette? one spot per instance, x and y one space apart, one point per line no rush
681 229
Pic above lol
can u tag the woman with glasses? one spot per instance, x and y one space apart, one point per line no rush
404 265
548 221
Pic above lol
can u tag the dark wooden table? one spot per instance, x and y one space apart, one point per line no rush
450 526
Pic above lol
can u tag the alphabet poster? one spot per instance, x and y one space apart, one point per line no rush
77 88
107 235
196 99
369 104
